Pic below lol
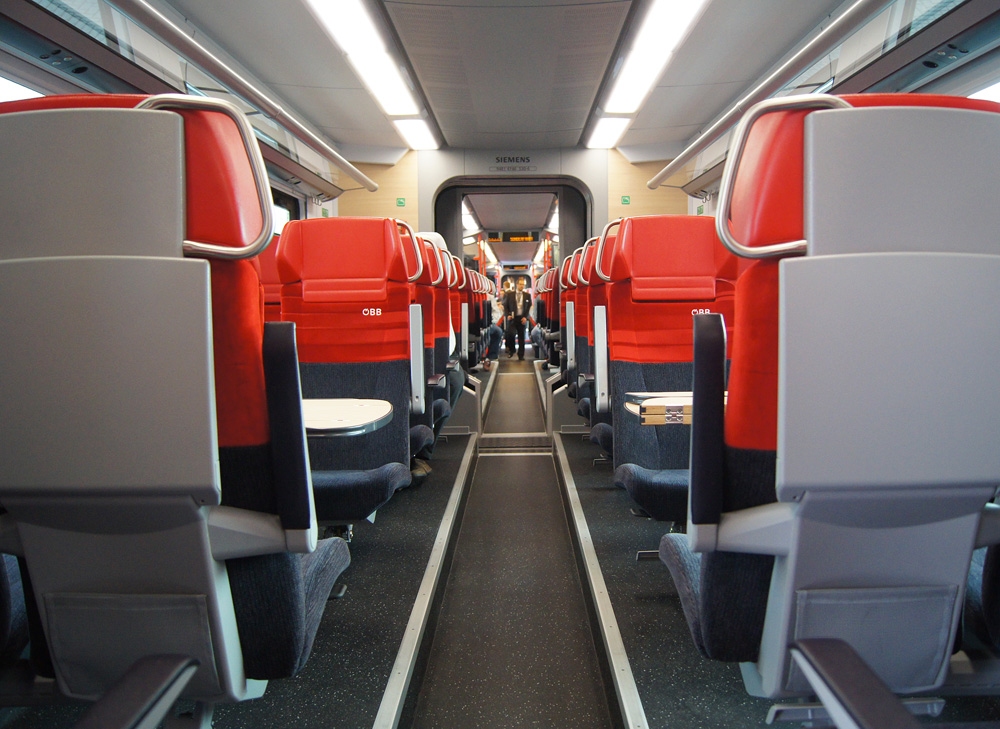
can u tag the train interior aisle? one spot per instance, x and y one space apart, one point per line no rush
266 461
513 644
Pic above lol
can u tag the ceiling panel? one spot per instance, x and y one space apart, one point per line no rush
519 140
525 74
685 105
341 108
657 135
514 252
511 211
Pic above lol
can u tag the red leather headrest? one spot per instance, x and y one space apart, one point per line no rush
341 259
727 264
222 206
768 193
268 264
667 257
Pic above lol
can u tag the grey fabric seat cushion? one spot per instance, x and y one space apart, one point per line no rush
421 437
583 408
441 409
603 435
662 493
277 636
685 569
320 570
982 597
345 496
13 616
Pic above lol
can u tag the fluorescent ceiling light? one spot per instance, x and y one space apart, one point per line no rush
10 91
990 93
490 254
607 132
539 254
664 27
351 27
417 133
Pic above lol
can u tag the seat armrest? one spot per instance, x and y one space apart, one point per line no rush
292 481
602 377
436 381
143 696
851 692
707 431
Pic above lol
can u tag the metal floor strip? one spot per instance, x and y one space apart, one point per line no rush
394 697
633 715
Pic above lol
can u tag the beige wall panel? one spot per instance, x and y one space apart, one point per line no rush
394 181
625 178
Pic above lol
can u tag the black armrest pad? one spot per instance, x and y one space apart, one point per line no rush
858 689
284 406
588 377
453 364
143 696
436 381
708 419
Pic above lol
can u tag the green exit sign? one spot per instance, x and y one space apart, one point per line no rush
626 199
701 210
400 202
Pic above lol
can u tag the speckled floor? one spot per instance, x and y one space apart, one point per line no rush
513 645
515 407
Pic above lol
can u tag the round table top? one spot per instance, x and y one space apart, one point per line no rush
341 416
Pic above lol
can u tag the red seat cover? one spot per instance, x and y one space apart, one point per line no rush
344 284
222 208
767 207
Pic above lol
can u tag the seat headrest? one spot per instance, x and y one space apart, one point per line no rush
767 200
590 278
267 264
667 257
352 257
221 197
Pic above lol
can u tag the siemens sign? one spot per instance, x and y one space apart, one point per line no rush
543 162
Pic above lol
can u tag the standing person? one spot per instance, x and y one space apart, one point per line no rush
516 307
505 321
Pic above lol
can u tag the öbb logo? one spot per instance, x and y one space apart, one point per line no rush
700 311
371 312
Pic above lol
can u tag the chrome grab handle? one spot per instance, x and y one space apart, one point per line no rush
569 274
437 253
563 269
416 248
583 255
736 147
600 250
459 266
200 103
446 259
